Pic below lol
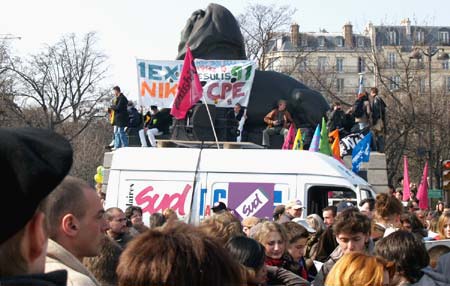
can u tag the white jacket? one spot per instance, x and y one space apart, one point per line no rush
59 258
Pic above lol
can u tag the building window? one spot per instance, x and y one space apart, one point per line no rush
391 60
443 37
302 65
445 65
394 82
340 85
392 36
361 64
339 42
420 36
304 41
321 41
339 64
360 42
322 64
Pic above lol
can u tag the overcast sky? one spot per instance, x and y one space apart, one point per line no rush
151 29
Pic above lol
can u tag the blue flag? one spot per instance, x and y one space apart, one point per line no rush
361 152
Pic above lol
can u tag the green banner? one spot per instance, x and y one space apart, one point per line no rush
434 194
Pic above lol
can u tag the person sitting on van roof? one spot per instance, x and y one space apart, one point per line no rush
292 210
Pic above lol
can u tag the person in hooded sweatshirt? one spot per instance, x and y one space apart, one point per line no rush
411 259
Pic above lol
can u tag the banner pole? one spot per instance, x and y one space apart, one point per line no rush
210 120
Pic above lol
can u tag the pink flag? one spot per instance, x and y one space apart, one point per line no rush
406 190
189 88
290 137
422 193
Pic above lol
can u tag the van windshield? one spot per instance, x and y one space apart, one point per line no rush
320 197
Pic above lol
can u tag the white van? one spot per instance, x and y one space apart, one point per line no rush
250 181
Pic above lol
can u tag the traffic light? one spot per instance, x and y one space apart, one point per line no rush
446 175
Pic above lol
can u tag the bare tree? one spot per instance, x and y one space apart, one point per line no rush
63 81
259 24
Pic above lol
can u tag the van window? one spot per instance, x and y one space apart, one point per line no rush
365 194
320 197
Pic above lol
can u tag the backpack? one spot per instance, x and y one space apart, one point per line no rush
358 108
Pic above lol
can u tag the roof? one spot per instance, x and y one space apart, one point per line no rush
258 161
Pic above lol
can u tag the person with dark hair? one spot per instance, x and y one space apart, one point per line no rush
297 237
367 206
118 229
352 231
133 215
327 241
119 115
411 223
251 256
378 119
361 111
157 125
76 224
411 260
391 189
278 212
183 256
278 121
157 220
103 266
387 217
34 162
135 124
336 118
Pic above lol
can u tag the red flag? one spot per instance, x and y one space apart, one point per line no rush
422 193
290 137
406 190
189 88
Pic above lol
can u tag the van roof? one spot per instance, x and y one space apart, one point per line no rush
231 161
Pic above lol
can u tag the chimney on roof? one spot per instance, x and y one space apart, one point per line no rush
348 35
407 24
295 34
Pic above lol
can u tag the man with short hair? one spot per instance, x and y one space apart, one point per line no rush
292 210
352 231
118 229
76 223
378 108
34 162
278 121
329 213
327 241
119 114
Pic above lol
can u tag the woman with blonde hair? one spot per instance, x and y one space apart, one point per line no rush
274 239
356 268
443 226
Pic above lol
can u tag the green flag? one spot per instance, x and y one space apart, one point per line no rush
324 145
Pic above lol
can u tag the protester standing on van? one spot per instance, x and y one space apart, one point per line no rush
120 118
278 122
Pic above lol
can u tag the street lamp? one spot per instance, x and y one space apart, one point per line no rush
443 56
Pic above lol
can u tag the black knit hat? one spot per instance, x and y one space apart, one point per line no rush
32 163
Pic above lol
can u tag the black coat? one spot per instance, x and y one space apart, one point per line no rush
120 111
378 109
55 278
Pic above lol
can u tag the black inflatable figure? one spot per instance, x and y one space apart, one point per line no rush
215 34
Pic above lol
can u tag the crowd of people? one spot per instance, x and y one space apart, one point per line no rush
61 235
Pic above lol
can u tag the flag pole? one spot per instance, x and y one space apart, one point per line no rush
210 120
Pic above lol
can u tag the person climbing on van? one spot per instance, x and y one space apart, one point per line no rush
278 122
361 111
